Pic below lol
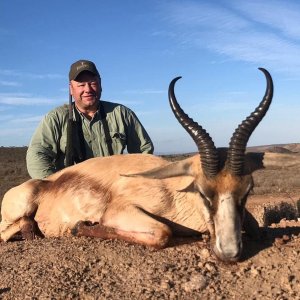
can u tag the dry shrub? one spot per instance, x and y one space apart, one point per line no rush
284 210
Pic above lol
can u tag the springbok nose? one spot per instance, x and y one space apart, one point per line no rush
230 251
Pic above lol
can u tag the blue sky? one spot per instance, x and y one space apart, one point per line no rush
139 46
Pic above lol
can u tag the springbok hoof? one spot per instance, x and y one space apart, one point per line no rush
76 230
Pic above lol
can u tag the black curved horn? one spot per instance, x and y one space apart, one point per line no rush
238 142
206 147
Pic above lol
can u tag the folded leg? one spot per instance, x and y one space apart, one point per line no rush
18 202
26 226
130 224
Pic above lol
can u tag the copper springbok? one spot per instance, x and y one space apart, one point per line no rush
145 199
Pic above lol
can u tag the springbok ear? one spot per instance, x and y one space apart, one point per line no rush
179 168
171 172
182 183
255 161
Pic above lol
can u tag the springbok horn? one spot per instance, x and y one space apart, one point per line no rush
206 147
238 142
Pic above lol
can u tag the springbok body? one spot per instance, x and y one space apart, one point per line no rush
143 198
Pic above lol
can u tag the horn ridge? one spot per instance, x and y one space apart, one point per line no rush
205 144
239 140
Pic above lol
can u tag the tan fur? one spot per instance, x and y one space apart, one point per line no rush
94 190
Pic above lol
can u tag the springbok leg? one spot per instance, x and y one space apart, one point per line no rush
131 225
25 225
17 204
29 229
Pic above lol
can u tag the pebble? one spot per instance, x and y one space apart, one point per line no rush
211 267
196 282
204 254
254 271
165 285
281 241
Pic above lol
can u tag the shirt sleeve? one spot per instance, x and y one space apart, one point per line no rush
43 148
138 140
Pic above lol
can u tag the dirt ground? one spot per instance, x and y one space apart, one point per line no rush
85 268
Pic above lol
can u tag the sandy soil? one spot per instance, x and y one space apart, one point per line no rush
84 268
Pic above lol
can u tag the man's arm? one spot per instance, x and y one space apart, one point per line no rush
138 139
43 148
39 162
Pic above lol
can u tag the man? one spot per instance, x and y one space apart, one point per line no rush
97 128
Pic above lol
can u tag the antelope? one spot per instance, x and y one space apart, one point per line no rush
146 199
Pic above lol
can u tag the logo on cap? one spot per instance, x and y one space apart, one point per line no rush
83 65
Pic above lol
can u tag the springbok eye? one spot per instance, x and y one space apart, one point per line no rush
243 200
206 200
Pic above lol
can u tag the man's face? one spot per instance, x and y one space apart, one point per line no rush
86 91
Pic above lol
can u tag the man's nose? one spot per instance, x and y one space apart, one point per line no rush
87 88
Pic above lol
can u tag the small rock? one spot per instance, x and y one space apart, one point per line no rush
196 282
211 267
165 285
281 241
204 254
285 238
254 271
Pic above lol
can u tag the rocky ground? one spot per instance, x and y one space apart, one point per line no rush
84 268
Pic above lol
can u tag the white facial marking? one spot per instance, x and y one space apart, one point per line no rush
226 210
227 224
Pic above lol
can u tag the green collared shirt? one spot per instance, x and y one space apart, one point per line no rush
46 151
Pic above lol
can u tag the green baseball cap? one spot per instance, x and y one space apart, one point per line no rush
80 66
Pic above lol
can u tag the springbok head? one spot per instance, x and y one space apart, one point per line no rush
225 180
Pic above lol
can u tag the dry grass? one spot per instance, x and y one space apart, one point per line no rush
279 180
12 168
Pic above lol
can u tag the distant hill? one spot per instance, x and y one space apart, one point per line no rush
277 148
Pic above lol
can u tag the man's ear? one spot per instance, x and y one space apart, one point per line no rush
70 88
100 88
